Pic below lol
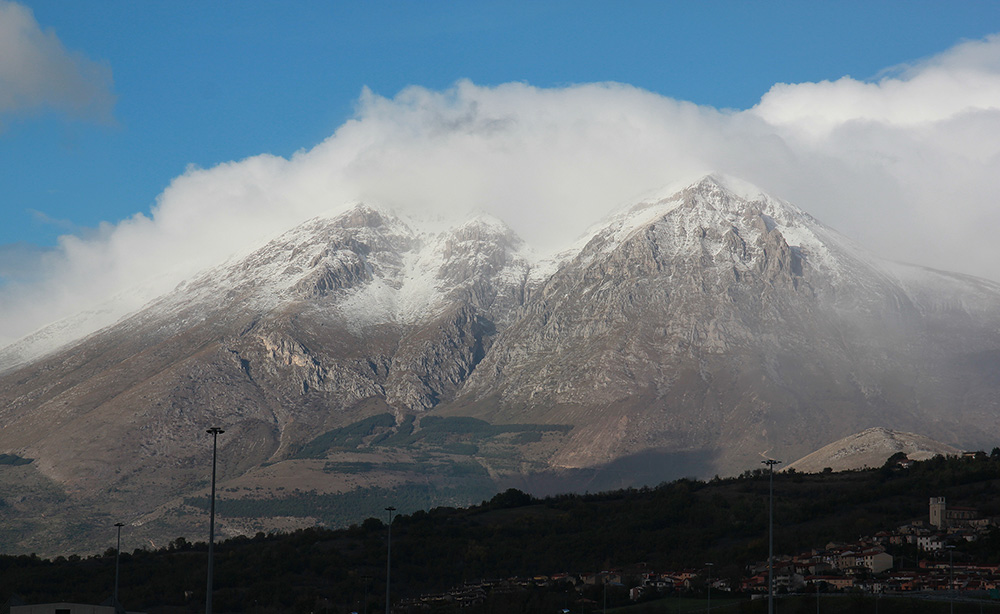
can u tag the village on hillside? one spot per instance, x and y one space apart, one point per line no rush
864 566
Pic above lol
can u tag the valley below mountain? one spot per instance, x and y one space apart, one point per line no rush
362 360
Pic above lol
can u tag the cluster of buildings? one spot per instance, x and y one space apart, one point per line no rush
867 565
946 524
929 575
638 581
837 567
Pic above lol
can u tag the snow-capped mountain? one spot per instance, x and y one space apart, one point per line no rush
685 335
726 325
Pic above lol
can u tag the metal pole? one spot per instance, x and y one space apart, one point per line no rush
770 535
951 579
708 608
364 606
214 432
118 552
388 560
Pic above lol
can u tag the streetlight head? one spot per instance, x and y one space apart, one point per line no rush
390 509
215 431
119 524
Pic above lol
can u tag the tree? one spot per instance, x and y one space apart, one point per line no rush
511 497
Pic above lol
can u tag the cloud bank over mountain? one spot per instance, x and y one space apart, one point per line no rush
908 165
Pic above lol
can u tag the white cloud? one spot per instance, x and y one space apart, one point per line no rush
37 72
908 165
963 80
922 147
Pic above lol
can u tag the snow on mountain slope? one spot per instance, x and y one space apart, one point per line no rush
380 269
743 319
718 201
444 266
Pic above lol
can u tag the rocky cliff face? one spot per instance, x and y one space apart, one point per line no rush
686 335
730 325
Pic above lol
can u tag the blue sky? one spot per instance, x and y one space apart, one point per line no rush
885 127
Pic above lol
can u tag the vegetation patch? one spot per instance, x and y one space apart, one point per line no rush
332 509
14 460
349 437
482 429
347 467
461 436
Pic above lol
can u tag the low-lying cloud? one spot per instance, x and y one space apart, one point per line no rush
908 165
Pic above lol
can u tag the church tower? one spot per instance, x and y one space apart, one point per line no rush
938 508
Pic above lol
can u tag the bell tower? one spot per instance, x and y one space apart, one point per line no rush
937 508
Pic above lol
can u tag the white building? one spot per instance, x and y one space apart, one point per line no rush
876 560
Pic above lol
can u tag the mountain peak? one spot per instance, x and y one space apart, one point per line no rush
715 211
364 215
702 182
734 185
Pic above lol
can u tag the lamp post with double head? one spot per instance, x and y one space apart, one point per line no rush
770 534
214 432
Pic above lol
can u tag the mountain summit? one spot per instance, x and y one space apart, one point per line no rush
686 335
725 325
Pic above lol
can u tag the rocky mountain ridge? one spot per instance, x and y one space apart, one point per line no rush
685 336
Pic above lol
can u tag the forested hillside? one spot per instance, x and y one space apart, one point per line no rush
678 525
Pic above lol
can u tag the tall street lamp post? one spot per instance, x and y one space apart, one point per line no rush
118 552
770 535
708 608
951 578
214 432
388 559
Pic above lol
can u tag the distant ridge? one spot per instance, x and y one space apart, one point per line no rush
871 448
